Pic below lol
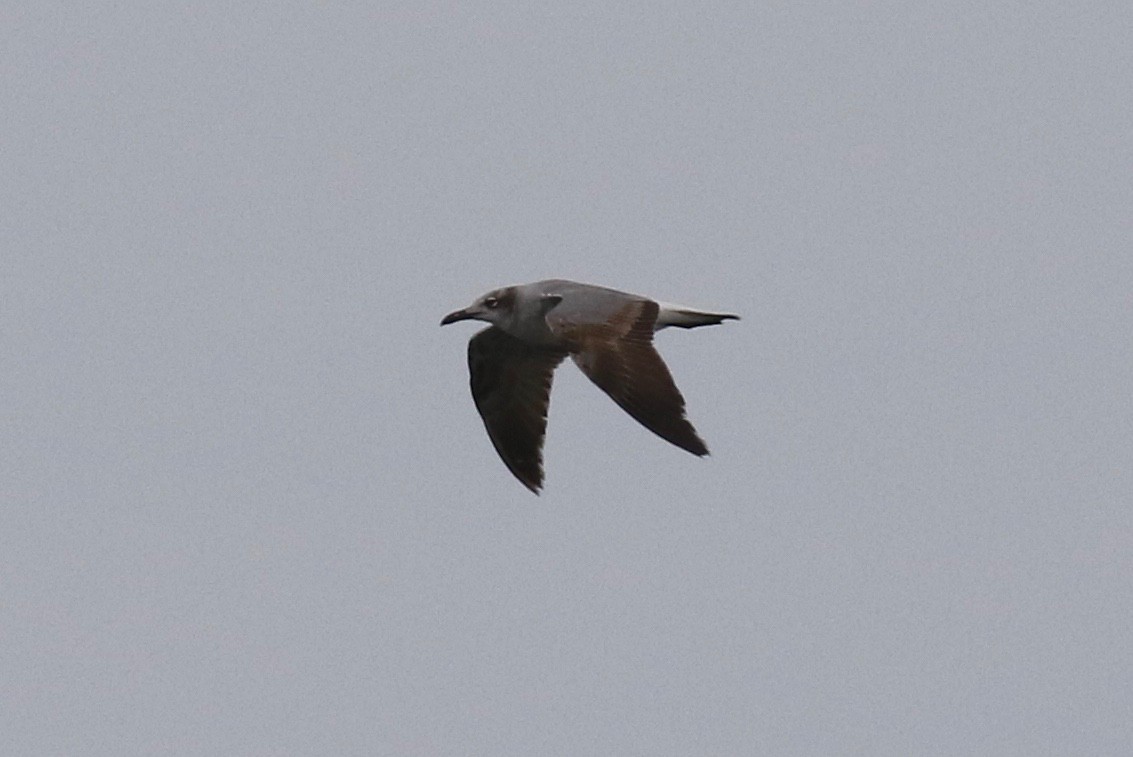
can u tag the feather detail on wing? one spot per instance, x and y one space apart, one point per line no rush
618 356
511 386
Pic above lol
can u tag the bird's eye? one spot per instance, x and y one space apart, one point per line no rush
491 303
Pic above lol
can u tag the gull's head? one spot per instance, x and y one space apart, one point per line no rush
494 307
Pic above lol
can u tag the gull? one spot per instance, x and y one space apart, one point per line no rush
608 334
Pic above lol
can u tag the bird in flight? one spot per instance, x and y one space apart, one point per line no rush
608 334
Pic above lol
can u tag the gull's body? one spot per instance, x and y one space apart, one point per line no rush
609 336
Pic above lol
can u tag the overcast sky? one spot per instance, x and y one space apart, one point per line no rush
248 507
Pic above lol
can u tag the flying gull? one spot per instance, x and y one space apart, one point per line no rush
608 334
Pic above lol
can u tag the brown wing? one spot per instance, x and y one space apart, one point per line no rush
511 385
619 357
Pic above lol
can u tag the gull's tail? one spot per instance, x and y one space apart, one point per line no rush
688 318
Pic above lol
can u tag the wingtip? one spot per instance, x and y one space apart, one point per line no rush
533 485
689 440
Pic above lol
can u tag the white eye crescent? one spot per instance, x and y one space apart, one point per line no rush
491 303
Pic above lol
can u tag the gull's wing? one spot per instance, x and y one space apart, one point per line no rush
614 348
511 385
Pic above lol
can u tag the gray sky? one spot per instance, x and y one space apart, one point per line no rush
248 507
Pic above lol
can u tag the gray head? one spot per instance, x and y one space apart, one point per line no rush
495 307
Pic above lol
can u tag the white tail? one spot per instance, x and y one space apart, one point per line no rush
688 318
